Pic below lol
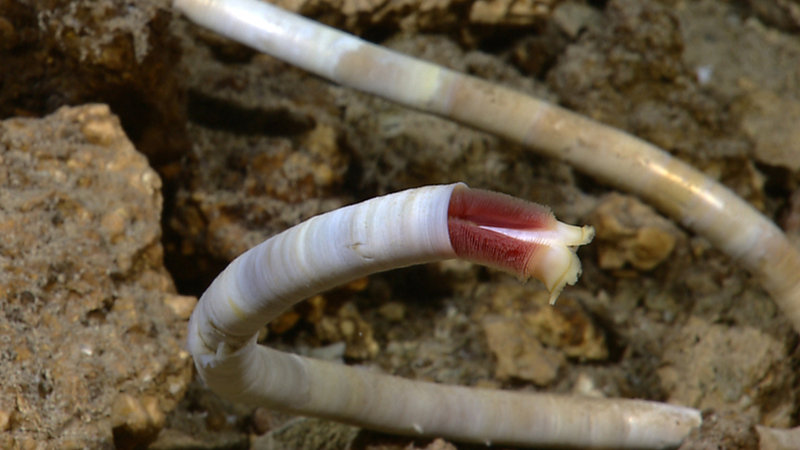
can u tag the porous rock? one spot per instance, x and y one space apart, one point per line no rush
92 348
348 326
519 354
531 339
769 120
630 232
741 372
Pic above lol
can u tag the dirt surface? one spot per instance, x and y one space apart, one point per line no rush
247 146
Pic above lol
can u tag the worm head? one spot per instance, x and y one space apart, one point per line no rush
517 236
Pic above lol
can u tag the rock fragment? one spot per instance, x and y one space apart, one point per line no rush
519 354
730 370
348 326
630 232
86 302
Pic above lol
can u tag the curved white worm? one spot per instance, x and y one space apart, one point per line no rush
409 227
696 201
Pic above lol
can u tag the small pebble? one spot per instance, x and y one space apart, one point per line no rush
393 311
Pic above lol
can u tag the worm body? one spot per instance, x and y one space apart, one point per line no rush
410 227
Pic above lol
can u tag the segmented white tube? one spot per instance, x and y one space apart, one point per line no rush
396 230
617 158
406 228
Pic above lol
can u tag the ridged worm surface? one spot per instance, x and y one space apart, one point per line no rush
410 227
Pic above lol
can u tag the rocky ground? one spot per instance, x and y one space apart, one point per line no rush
114 218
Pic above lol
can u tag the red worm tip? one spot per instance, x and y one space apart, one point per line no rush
515 235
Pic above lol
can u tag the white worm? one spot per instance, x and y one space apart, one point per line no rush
687 195
409 227
619 159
